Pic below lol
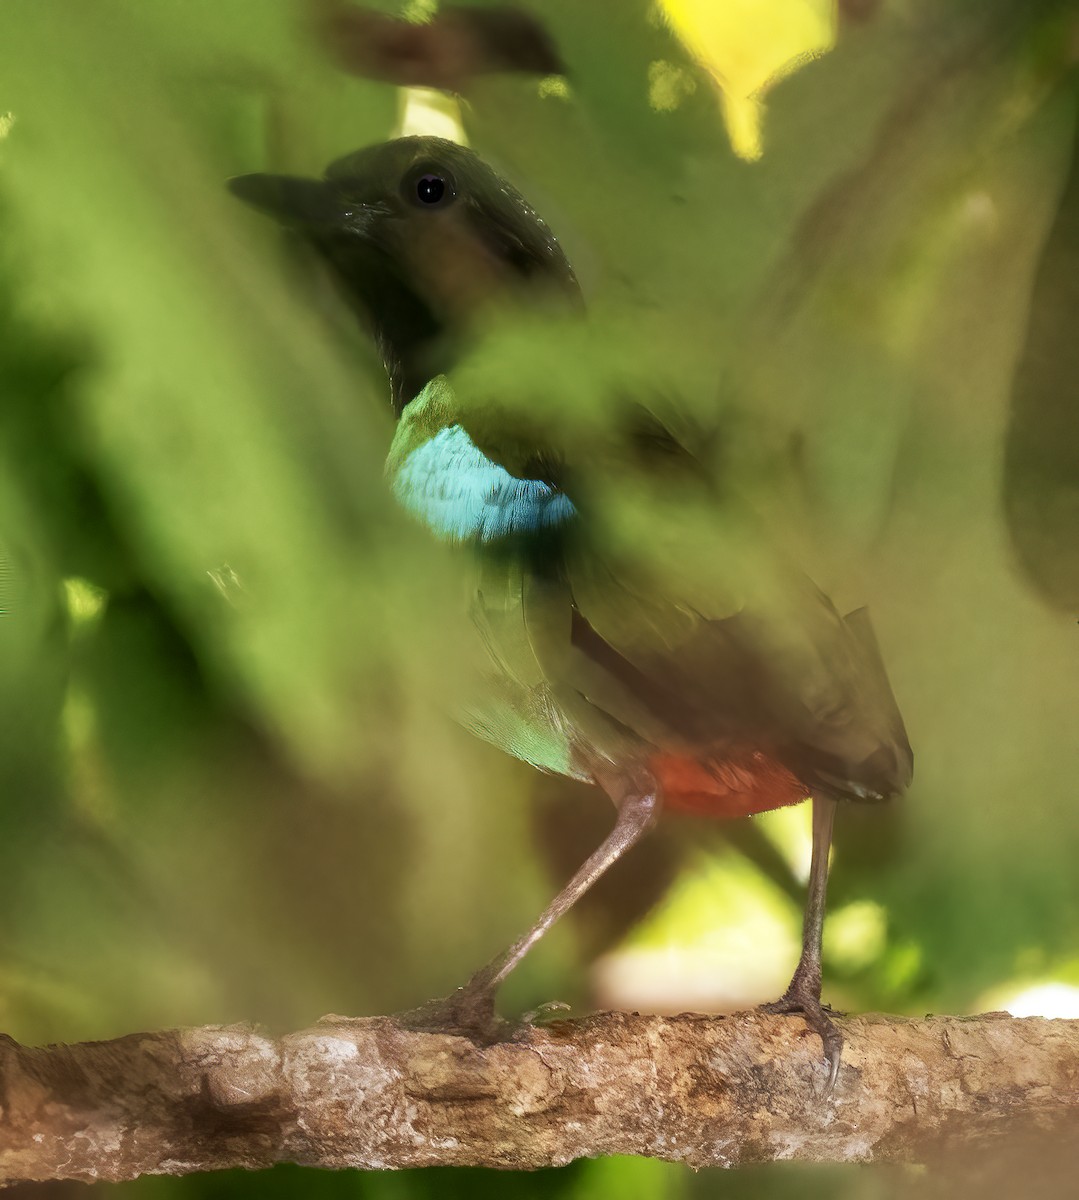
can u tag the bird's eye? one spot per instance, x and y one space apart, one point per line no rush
430 187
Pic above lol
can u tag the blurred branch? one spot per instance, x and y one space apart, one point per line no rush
447 51
707 1091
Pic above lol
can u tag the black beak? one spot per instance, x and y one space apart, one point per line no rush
294 201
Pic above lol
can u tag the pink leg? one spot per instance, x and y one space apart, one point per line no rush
471 1008
803 994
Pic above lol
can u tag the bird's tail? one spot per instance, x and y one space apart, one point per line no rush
887 771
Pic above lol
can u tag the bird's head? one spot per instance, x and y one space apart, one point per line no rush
423 237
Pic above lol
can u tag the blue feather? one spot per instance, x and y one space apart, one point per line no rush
461 494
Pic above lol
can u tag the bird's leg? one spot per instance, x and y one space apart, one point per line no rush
803 993
471 1009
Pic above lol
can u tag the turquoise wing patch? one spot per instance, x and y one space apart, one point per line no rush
462 495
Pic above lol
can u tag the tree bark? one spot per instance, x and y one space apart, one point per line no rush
706 1091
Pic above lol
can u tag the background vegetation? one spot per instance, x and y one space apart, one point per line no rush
228 789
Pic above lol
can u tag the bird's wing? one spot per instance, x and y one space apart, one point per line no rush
736 649
688 597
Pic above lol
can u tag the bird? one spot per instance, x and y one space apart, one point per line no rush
690 665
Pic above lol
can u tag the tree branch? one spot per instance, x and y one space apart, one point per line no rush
708 1091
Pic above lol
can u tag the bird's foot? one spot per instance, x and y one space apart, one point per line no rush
468 1011
804 999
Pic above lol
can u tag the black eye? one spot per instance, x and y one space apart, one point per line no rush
429 185
430 189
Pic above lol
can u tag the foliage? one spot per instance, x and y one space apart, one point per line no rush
229 789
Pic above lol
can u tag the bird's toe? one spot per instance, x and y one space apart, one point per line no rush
469 1012
818 1017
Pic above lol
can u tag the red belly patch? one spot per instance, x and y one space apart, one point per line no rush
728 788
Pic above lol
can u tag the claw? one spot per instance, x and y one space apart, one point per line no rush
468 1011
816 1017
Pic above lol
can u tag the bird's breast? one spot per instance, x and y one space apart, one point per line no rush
462 495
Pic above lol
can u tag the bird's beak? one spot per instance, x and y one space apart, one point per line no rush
295 201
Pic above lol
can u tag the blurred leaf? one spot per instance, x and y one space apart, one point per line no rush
234 793
1041 480
445 51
